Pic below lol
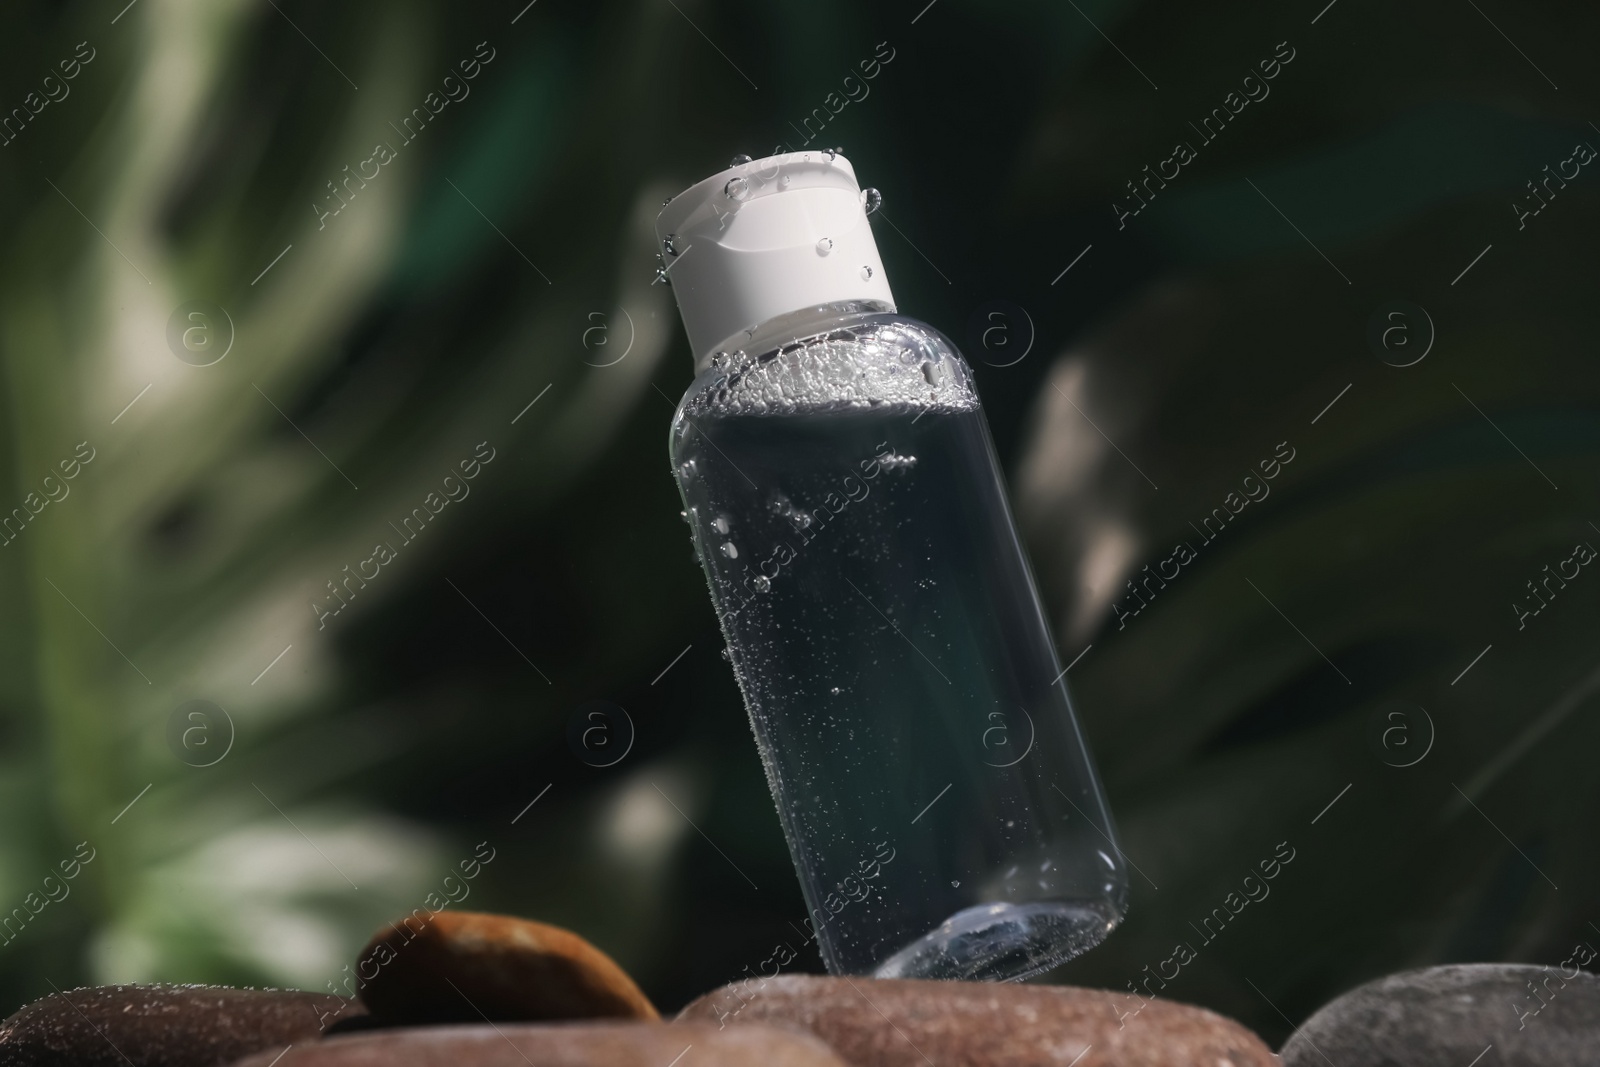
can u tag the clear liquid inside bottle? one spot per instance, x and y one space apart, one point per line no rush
940 804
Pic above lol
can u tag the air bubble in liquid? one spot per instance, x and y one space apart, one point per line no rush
720 524
762 583
730 550
837 372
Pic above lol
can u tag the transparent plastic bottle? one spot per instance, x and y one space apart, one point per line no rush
942 809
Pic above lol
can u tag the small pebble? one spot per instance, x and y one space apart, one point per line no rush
461 966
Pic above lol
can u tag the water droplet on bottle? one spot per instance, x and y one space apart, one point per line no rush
671 244
932 373
871 199
785 180
686 469
720 524
726 654
667 201
730 550
684 515
832 153
825 246
801 519
866 274
737 188
739 160
762 583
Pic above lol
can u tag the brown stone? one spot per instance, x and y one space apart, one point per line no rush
629 1044
173 1026
894 1023
459 966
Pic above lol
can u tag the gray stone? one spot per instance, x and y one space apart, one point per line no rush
1449 1016
166 1025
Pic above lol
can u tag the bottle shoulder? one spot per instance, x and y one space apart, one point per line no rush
874 361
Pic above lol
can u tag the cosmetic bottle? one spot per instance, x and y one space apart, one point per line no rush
845 501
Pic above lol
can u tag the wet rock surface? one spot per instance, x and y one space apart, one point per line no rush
893 1023
1449 1016
469 967
521 992
562 1045
170 1026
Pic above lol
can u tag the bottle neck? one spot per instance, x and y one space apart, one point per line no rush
807 322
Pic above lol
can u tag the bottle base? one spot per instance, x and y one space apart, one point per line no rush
1002 942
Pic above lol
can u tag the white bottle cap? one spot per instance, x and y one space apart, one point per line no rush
764 239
